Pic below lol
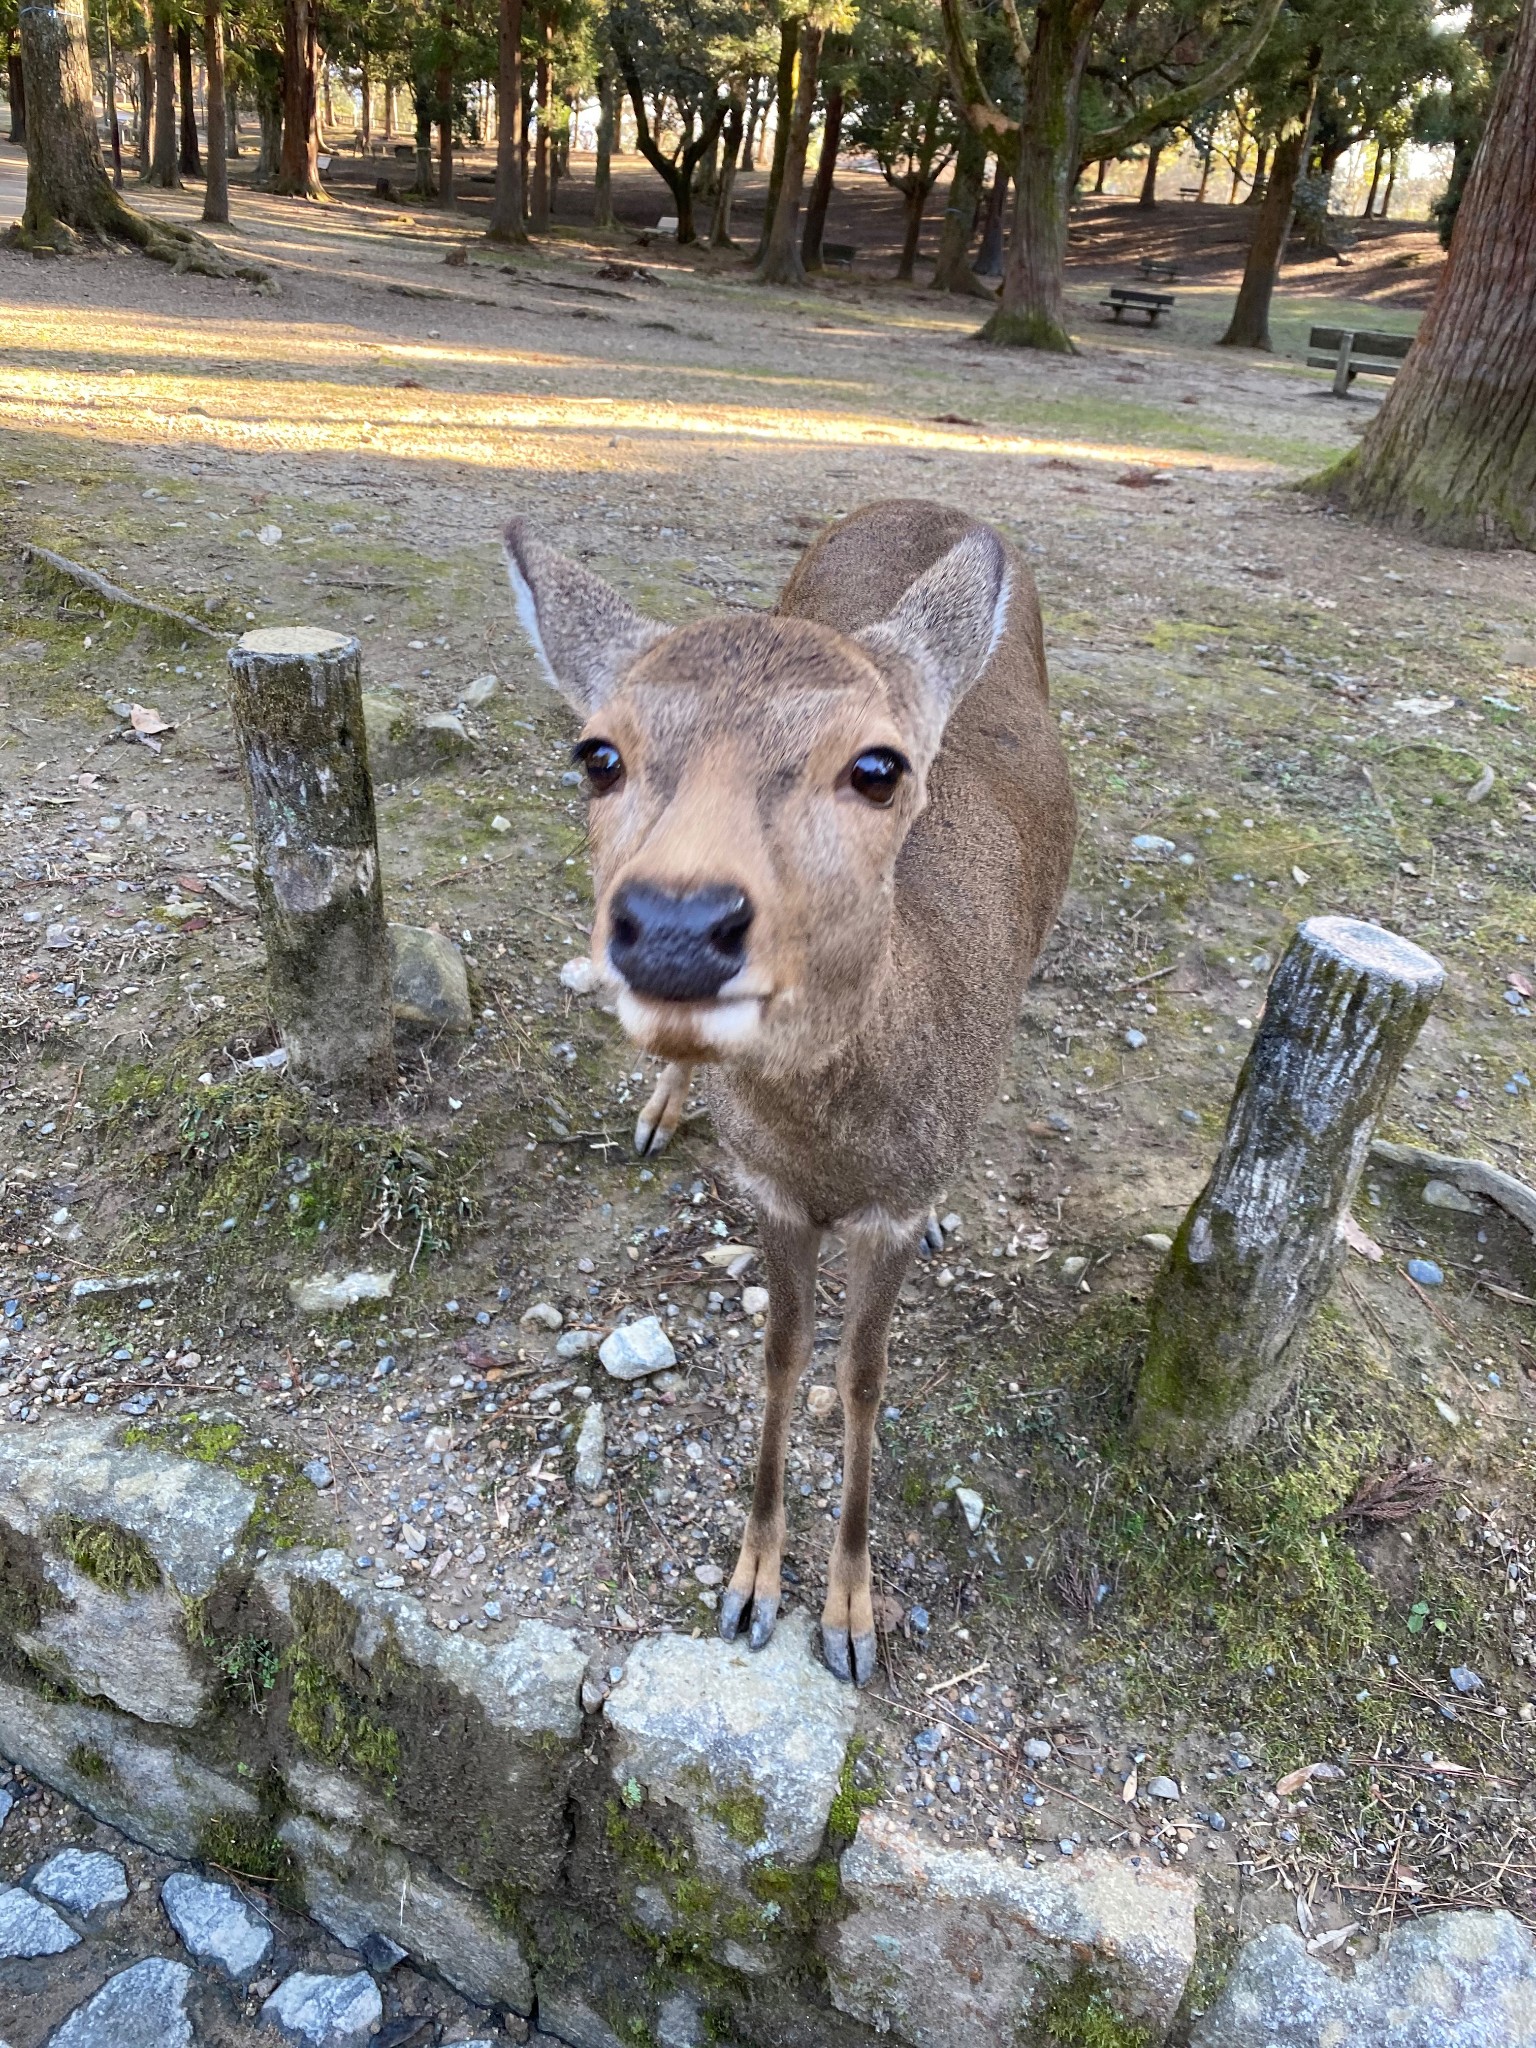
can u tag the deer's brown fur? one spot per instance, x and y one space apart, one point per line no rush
852 1054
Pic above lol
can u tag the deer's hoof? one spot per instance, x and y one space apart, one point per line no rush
848 1657
933 1236
650 1138
765 1612
732 1608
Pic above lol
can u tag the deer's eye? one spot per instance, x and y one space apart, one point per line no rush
876 775
603 763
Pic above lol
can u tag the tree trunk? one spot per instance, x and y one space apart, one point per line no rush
913 200
1249 326
298 711
231 119
162 168
114 132
421 98
781 258
602 182
1369 208
1256 1254
720 223
299 170
69 195
952 272
1205 171
989 257
191 164
821 185
784 95
269 115
1386 197
1100 175
146 111
1452 453
389 109
1148 194
755 106
17 93
216 197
442 86
1260 183
538 210
506 223
1032 312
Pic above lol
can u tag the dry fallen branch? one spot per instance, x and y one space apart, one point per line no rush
114 593
1393 1496
1472 1176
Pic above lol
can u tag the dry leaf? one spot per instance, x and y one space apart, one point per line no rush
1294 1780
1324 1944
1361 1241
725 1254
144 720
1521 986
889 1612
1128 1789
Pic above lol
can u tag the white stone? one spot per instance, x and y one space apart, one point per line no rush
429 981
215 1924
577 1343
971 1506
637 1349
591 1449
82 1881
326 2012
29 1928
582 975
143 2007
330 1292
959 1948
698 1720
542 1315
754 1301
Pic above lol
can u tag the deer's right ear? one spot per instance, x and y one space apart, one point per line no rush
583 632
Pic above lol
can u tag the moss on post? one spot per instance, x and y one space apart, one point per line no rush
1257 1251
298 705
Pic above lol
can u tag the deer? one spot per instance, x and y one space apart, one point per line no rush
828 843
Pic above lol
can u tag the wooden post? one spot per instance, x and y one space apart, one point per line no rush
1256 1253
298 705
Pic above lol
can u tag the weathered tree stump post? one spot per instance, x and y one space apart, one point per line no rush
298 705
1257 1251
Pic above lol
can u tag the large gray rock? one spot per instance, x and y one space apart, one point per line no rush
428 979
190 1515
635 1350
357 1887
564 2013
83 1881
107 1764
145 2007
1448 1980
215 1924
749 1745
959 1948
29 1928
326 2012
130 1648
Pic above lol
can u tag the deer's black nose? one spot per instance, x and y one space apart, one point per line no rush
680 948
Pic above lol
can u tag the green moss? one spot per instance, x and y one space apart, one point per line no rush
640 1848
329 1720
741 1813
113 1558
284 1499
90 1763
860 1784
249 1847
1080 2015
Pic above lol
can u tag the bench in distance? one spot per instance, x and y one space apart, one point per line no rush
1351 353
1123 299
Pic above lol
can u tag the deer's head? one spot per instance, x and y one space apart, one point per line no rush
752 779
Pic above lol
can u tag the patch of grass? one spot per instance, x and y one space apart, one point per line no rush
249 1847
1080 2015
114 1558
90 1763
250 1667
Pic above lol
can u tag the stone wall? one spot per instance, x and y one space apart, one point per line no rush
673 1850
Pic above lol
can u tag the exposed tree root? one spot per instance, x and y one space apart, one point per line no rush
162 241
114 593
1472 1176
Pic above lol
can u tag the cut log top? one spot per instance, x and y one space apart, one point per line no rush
294 643
1371 949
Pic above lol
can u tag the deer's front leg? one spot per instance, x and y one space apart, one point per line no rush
878 1258
789 1257
664 1109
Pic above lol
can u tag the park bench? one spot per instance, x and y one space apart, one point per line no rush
1151 266
1351 353
838 255
1189 191
1123 299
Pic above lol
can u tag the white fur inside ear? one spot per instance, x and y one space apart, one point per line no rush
528 615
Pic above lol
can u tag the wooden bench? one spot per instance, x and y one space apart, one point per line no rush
1122 299
1352 352
1189 191
1149 266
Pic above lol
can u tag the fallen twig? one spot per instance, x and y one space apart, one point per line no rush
114 592
1472 1176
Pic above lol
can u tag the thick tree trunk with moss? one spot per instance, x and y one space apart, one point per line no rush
952 272
298 172
1148 194
1257 1252
1452 453
69 196
191 162
298 711
506 223
1249 325
781 257
1032 310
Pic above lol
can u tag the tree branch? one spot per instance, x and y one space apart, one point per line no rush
971 96
1173 106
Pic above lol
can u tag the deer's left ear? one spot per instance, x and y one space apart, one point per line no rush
583 632
946 626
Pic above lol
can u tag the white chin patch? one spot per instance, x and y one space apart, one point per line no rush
722 1026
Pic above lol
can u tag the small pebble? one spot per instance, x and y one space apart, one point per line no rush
1426 1272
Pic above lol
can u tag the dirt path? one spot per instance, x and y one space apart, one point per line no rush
1298 705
